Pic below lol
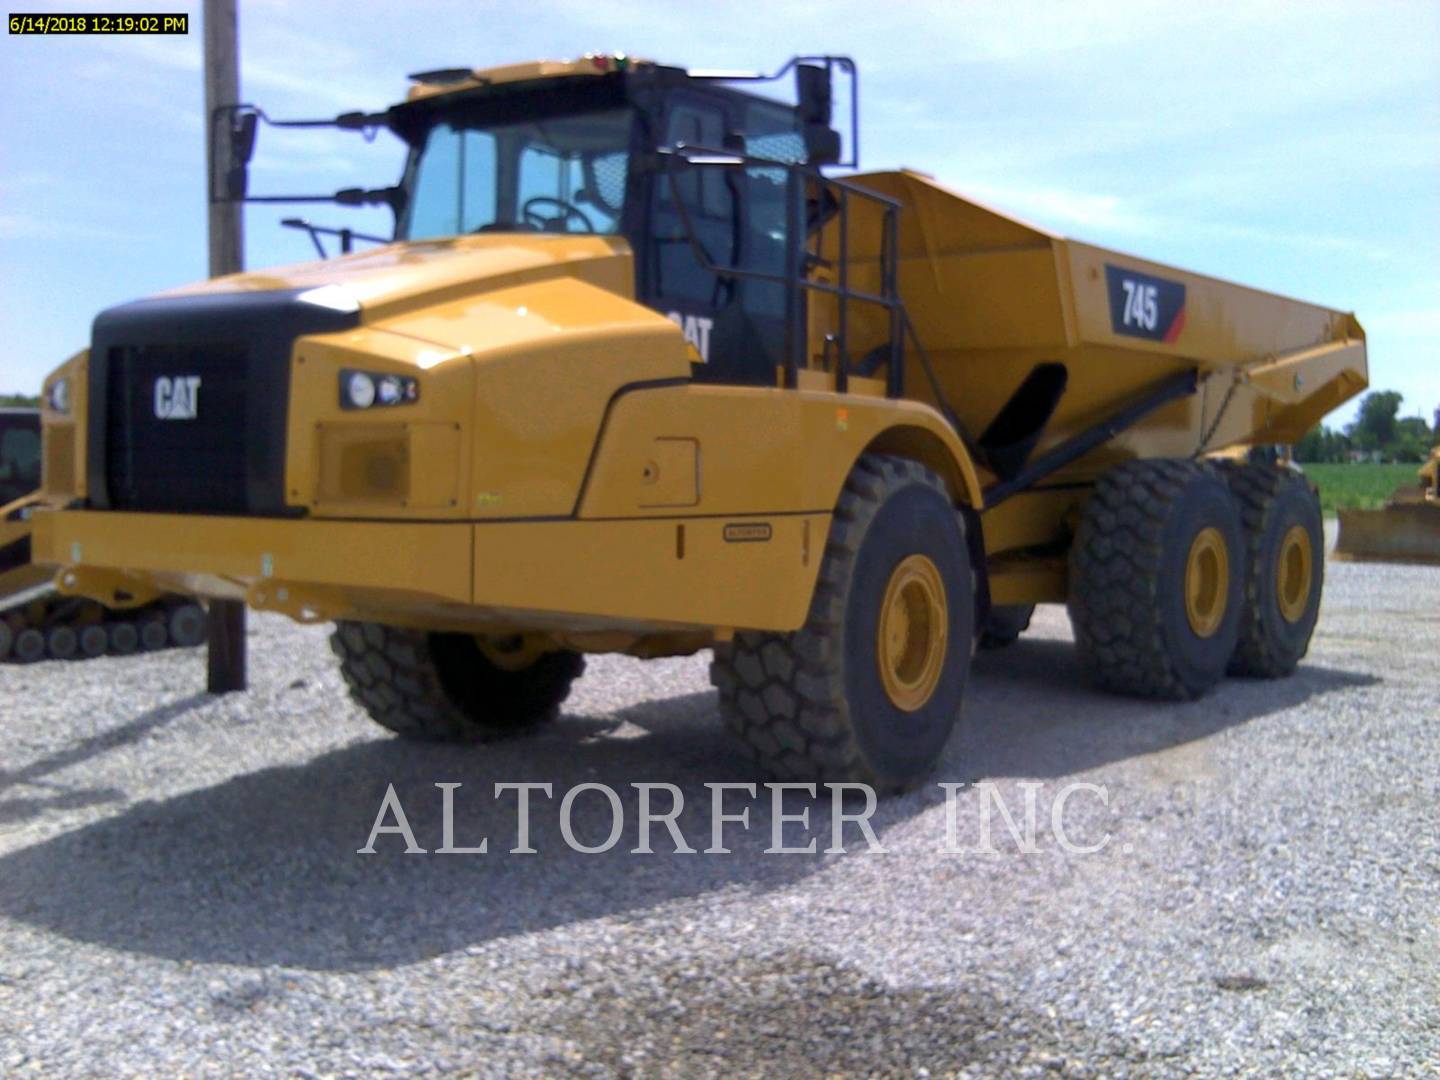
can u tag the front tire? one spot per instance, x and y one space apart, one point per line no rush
869 689
443 688
1156 579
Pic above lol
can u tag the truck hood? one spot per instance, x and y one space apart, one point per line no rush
397 278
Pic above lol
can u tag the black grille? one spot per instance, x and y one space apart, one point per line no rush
229 458
195 464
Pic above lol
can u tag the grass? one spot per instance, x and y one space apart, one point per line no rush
1362 487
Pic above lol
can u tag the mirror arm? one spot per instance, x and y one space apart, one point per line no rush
390 196
232 144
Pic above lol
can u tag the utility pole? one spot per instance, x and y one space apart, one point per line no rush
227 255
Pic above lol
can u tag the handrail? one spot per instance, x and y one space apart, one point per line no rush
794 280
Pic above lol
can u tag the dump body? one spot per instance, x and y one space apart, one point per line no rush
992 296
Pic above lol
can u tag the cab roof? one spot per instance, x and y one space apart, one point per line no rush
429 84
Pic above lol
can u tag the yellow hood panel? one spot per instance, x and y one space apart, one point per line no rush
389 280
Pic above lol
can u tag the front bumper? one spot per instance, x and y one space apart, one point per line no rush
741 572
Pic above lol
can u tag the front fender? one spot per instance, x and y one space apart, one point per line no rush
756 450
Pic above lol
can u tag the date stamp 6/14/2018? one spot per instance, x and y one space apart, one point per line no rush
122 23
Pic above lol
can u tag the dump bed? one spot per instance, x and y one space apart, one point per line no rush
992 297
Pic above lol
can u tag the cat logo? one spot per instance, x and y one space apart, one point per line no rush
696 329
177 398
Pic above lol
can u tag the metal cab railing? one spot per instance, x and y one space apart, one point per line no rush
800 181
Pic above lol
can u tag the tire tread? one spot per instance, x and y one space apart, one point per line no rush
396 676
783 695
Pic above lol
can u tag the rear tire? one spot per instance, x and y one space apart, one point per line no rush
869 689
1004 625
1284 566
7 639
442 688
1156 579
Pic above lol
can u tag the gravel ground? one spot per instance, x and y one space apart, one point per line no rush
180 892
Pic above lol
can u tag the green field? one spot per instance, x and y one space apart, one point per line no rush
1365 487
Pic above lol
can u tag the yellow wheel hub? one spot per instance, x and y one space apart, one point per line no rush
1294 572
1207 582
914 624
513 653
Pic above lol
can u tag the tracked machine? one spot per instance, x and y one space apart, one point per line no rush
641 372
1405 530
36 621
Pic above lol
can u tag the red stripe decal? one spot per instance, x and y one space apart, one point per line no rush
1176 325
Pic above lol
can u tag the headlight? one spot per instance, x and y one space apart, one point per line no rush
57 398
362 390
359 391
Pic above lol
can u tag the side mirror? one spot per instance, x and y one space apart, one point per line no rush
822 145
814 98
233 144
813 94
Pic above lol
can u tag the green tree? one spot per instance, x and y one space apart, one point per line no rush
1413 439
1321 445
1375 427
19 399
1311 448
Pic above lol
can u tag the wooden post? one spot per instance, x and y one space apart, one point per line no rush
227 255
222 87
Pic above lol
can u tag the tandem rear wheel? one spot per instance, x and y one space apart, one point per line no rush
1284 567
869 689
1184 571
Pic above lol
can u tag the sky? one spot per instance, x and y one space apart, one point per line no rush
1294 147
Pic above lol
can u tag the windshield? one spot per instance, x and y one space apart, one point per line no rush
565 173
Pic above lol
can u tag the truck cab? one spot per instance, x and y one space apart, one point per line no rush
580 156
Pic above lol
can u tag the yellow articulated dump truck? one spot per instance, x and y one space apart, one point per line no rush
640 373
36 622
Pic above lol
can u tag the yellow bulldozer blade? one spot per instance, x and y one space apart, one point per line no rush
1401 532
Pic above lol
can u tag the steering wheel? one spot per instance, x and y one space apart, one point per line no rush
555 223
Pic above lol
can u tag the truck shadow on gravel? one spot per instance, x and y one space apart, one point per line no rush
1029 712
263 869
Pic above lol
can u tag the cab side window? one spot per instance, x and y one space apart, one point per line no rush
740 216
19 462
